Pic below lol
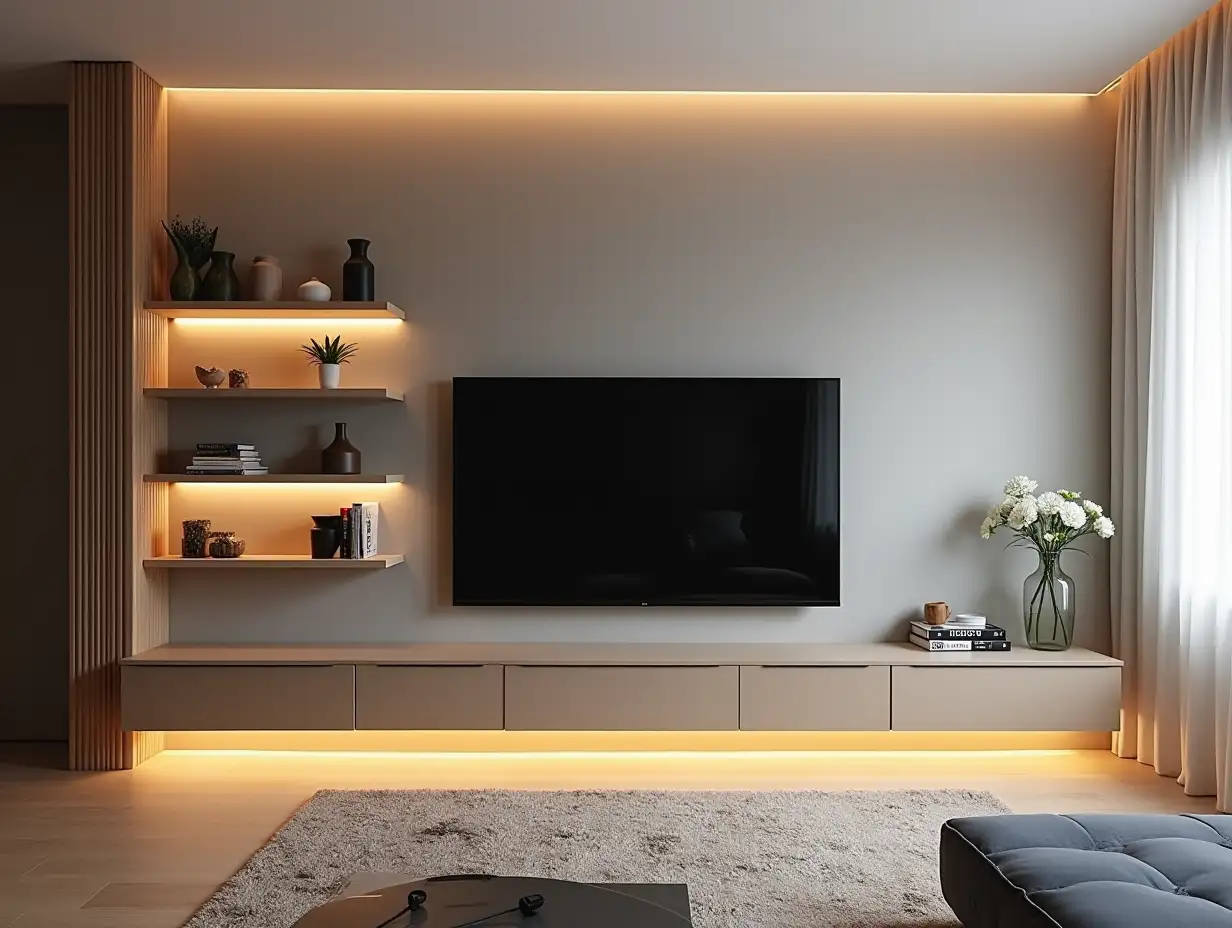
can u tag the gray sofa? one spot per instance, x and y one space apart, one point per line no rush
1089 871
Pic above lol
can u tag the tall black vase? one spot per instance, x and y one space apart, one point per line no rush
358 274
341 457
220 281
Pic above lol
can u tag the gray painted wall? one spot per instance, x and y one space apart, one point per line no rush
947 257
34 297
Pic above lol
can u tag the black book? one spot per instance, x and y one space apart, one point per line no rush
957 632
344 549
968 645
356 542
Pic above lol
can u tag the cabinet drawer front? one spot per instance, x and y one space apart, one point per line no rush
622 698
815 698
1006 698
452 698
167 698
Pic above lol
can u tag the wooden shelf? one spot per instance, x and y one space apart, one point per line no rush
891 653
223 394
273 478
272 562
284 309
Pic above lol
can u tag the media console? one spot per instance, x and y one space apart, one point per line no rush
616 687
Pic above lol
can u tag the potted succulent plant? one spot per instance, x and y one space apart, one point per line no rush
193 241
329 359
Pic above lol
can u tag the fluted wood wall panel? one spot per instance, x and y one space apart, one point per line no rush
117 185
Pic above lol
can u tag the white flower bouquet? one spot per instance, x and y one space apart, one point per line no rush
1050 523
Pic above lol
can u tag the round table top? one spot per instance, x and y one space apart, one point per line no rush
458 900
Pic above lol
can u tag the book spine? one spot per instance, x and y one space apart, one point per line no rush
344 550
371 514
226 471
357 538
960 634
935 645
215 448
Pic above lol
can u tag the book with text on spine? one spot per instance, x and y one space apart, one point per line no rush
958 632
968 645
367 518
212 447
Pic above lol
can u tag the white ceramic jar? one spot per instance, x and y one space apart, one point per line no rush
314 291
265 279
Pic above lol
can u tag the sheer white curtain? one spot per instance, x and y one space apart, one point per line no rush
1172 408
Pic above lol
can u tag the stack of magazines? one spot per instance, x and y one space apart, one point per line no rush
960 633
226 459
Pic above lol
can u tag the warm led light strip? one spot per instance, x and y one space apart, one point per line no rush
301 321
630 93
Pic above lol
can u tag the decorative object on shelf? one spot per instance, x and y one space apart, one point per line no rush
341 457
329 359
193 541
220 283
936 613
265 279
210 377
314 291
225 544
193 242
358 273
325 536
232 459
238 379
1050 524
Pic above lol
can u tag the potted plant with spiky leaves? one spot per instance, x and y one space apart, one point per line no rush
329 359
193 241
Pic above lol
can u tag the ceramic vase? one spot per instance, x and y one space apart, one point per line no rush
265 279
220 282
1048 606
358 274
341 457
330 375
314 291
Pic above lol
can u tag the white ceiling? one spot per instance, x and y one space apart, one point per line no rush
991 46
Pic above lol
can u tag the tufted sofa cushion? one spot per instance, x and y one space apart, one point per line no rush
1089 871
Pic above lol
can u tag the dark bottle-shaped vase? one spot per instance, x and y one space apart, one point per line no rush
220 282
341 457
358 274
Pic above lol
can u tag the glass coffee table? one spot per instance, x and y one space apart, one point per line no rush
455 901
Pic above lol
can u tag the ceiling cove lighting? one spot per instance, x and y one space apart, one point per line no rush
629 93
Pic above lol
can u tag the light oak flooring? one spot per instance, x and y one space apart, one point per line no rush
143 848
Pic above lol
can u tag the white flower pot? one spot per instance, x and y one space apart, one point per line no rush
330 375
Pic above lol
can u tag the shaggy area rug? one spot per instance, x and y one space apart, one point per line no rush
808 859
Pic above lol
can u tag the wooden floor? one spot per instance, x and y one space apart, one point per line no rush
142 849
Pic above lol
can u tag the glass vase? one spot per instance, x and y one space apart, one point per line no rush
1048 606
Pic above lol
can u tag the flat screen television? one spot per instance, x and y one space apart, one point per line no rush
645 491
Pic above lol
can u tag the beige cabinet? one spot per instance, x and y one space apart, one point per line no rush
622 698
993 698
814 698
224 698
417 698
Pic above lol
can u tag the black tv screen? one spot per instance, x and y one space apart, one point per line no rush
645 491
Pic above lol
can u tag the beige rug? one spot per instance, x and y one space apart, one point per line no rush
809 859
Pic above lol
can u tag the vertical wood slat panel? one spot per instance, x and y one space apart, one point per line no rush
117 182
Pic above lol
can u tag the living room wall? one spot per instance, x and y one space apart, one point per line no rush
947 257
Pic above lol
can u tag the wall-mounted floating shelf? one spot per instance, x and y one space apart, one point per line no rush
273 478
286 309
272 562
354 394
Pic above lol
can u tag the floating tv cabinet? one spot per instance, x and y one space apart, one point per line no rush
616 687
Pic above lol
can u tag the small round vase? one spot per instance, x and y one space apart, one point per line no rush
314 291
358 273
1048 606
220 282
341 457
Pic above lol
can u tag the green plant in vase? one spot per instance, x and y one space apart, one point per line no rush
193 242
1050 523
329 359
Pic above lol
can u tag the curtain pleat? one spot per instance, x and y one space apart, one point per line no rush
1172 408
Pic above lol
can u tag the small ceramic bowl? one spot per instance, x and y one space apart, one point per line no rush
210 377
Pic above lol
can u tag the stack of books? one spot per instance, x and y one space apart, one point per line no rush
971 633
226 459
359 527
